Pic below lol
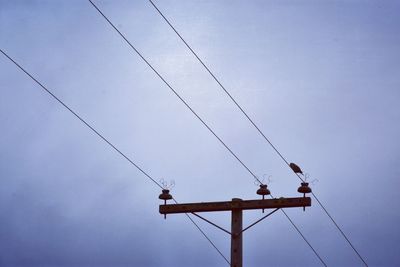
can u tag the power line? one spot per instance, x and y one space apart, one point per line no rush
176 93
108 142
204 234
188 106
255 126
304 238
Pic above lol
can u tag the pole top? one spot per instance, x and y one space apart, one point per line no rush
237 199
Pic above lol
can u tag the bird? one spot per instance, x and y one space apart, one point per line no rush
295 168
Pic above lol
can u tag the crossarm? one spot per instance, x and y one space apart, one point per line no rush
234 205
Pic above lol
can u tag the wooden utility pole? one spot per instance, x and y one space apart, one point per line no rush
236 236
236 206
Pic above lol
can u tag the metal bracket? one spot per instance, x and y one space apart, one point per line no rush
259 220
219 227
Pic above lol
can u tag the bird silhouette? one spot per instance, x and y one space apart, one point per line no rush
295 168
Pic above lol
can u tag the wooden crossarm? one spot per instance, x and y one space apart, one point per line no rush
234 205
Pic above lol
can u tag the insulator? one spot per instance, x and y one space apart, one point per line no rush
304 188
165 195
263 190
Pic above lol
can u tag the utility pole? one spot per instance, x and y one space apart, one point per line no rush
236 207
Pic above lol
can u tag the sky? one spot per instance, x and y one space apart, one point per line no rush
320 78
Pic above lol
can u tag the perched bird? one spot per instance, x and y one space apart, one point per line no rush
295 168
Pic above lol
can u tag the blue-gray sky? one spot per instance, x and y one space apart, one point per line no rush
320 78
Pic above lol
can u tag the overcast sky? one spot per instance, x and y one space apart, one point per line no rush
320 78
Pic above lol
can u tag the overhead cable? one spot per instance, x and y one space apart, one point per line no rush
175 92
186 104
109 143
256 127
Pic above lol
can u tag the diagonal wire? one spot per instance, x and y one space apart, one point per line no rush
209 240
108 142
81 119
187 105
301 234
304 238
204 234
255 126
175 92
